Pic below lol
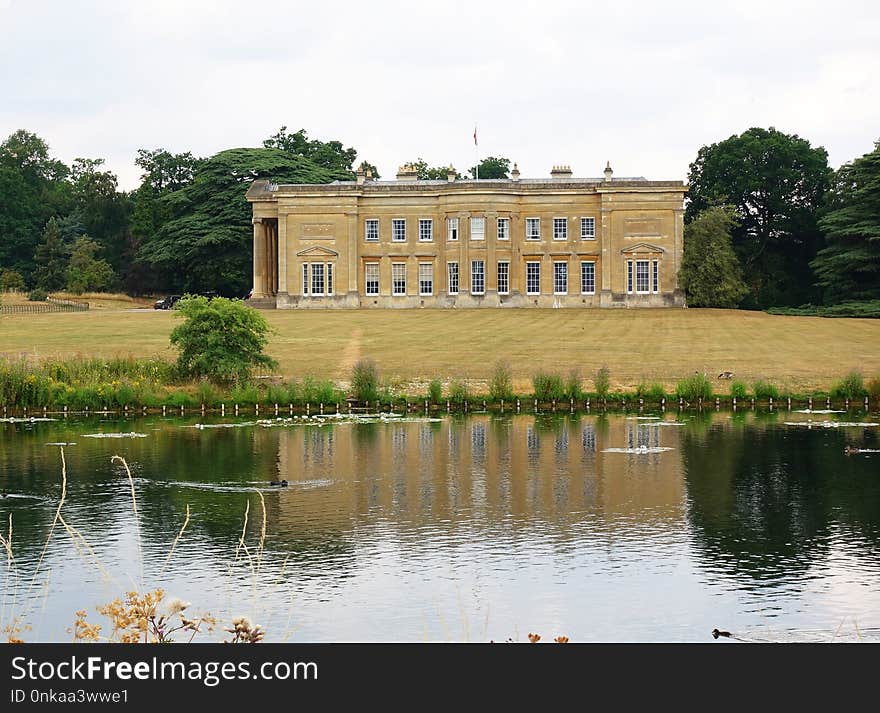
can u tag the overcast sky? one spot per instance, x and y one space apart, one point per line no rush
642 84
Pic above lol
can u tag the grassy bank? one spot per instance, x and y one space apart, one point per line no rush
411 347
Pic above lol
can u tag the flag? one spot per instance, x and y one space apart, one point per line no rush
475 136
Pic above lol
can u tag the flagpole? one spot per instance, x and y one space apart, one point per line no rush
477 153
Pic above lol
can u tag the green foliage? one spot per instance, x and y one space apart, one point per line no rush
85 271
244 393
710 273
37 296
491 167
329 155
51 258
870 309
694 387
458 392
656 392
424 172
11 281
738 390
764 390
221 339
573 388
435 391
501 384
851 386
848 268
319 391
873 388
776 183
602 382
206 394
365 380
548 387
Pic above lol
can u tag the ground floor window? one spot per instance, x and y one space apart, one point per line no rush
478 277
371 278
643 276
426 279
560 278
398 278
588 278
533 278
317 279
655 276
452 278
503 278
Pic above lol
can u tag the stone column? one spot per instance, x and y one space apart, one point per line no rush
282 256
259 259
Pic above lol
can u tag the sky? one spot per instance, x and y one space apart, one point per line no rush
640 84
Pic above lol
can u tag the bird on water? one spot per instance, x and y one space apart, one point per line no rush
278 483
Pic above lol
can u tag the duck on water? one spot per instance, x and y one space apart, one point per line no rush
278 483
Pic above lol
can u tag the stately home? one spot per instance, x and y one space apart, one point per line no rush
542 242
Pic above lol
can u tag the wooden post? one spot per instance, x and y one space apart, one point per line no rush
517 406
222 409
163 409
276 409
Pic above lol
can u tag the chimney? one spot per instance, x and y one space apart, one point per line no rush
608 171
514 174
450 173
561 172
359 174
369 176
407 172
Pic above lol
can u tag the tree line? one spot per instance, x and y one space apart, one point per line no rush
768 222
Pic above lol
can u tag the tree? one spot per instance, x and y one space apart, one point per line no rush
50 259
205 243
11 281
492 167
86 272
424 172
327 154
710 273
776 183
366 165
221 339
849 267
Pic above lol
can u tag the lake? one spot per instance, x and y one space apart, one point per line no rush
486 527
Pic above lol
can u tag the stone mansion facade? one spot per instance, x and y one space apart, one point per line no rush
554 242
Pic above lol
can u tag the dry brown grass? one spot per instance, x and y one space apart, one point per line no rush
413 346
96 300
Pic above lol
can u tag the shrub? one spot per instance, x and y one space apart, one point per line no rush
435 391
220 339
765 390
874 388
602 382
244 394
656 392
548 387
573 388
37 295
365 380
851 386
458 392
11 281
738 390
694 387
315 391
207 394
501 386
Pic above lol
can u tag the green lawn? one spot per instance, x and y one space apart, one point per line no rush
417 345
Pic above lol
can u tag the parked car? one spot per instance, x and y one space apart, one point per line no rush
167 303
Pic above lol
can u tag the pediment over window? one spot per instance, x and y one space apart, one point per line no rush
642 249
317 251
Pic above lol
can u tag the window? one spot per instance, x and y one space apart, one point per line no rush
478 228
426 279
533 228
426 230
588 228
398 278
588 278
641 276
452 278
305 278
371 230
629 276
317 278
504 228
371 278
478 277
503 278
329 278
533 278
560 278
398 230
655 276
560 228
452 228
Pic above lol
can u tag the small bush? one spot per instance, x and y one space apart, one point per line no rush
244 394
738 390
694 387
315 391
501 385
435 391
37 295
548 387
602 382
573 388
851 386
458 392
874 388
764 390
11 281
656 392
365 380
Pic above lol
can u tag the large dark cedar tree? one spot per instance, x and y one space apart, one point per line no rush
776 183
